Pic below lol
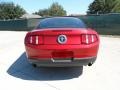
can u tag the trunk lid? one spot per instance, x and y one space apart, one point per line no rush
52 36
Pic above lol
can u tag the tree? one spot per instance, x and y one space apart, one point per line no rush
104 6
9 10
116 7
54 10
42 12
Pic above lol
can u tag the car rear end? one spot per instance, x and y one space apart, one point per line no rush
80 49
59 47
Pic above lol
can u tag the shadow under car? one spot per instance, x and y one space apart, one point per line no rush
21 68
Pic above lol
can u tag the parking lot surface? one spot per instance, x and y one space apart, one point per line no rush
17 74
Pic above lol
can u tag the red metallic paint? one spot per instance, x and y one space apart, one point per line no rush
50 46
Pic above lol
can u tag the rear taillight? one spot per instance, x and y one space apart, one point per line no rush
34 39
88 38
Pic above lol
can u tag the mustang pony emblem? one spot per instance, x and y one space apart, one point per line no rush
62 39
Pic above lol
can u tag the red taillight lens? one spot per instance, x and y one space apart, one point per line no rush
34 39
88 38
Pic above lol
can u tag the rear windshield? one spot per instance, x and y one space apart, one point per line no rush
61 22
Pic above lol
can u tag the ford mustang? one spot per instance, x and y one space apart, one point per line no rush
62 42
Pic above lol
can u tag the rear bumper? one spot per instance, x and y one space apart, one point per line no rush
46 51
81 54
49 62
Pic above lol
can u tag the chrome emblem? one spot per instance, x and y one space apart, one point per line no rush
62 39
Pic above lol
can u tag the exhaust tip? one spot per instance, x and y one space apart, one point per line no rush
90 64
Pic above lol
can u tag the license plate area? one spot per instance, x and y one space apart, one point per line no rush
62 56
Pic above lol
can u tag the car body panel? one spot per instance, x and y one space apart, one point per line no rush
51 49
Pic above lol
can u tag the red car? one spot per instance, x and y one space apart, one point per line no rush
60 42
